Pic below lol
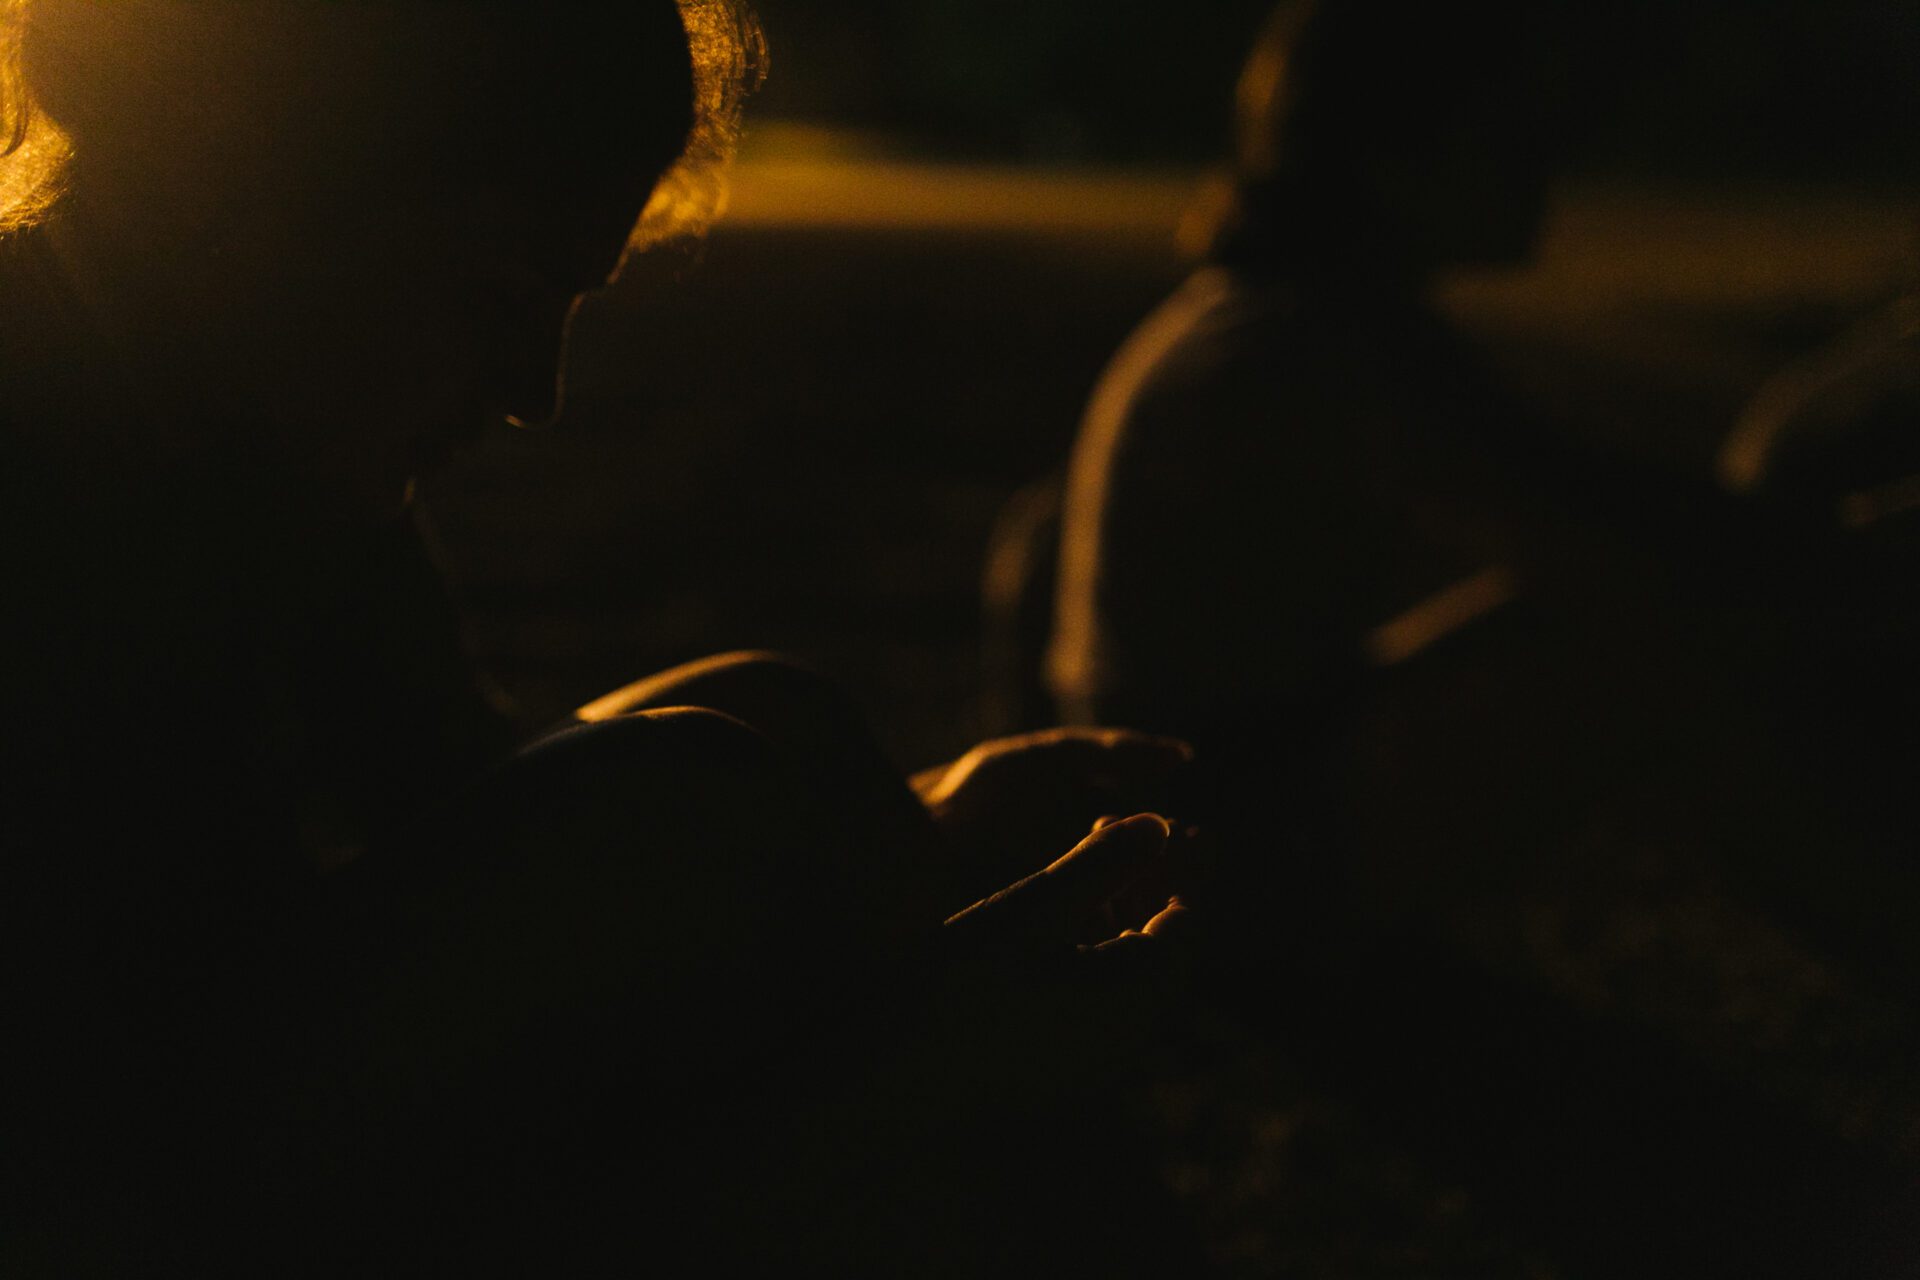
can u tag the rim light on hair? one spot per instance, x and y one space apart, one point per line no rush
729 63
729 60
33 150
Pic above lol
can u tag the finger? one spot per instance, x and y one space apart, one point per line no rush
1171 926
1108 738
1172 923
1046 904
1120 754
930 784
1050 758
1104 863
1133 741
1158 952
1117 754
1132 959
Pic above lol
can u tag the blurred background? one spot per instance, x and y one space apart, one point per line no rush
949 212
799 433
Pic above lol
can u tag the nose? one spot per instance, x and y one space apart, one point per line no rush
529 373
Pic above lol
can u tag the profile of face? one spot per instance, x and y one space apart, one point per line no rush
339 238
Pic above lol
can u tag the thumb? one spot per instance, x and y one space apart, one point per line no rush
1045 905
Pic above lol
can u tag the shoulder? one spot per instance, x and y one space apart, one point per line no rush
1216 323
1226 361
1232 383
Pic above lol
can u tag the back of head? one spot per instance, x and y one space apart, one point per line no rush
334 91
327 240
1431 129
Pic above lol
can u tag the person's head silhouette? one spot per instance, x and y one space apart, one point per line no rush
1412 135
338 236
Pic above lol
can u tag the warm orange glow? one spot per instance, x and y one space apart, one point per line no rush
31 177
619 703
729 57
788 189
35 150
1610 246
729 62
1074 660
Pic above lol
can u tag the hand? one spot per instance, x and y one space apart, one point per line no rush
1012 804
1073 905
1048 988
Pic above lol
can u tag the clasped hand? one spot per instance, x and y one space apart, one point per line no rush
1012 803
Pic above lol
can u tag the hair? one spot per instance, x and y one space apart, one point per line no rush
728 55
729 63
33 149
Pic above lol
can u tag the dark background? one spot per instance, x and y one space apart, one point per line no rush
1768 86
799 433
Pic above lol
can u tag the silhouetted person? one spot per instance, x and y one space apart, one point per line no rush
304 967
1263 474
1505 858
